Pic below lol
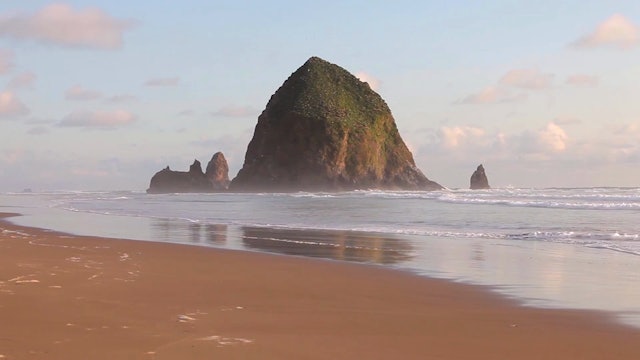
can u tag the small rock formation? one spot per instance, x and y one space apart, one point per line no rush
194 180
218 172
324 129
479 179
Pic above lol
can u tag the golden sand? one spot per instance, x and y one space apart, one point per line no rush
69 297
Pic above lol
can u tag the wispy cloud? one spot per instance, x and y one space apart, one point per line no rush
98 119
513 86
630 129
567 120
235 111
22 81
11 106
167 81
582 80
121 99
530 79
616 31
492 95
187 112
77 92
38 130
60 24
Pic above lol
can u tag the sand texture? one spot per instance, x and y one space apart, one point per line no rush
69 297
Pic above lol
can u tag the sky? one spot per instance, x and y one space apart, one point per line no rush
100 95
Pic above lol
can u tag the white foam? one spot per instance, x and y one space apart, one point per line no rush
13 232
222 341
31 281
186 318
17 278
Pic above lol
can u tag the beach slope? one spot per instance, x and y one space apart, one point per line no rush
70 297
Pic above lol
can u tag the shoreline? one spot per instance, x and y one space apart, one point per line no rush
68 296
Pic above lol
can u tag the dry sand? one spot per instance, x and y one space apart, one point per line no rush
69 297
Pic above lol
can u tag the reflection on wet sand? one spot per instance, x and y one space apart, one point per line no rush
175 231
337 245
216 234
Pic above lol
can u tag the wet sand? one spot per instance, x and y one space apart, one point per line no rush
71 297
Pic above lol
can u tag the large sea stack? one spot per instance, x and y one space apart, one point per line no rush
479 179
215 179
324 129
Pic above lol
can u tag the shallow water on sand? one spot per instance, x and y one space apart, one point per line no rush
573 248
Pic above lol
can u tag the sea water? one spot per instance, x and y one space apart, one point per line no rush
572 248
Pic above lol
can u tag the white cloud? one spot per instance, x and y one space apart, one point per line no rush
374 83
582 80
457 136
98 119
21 81
616 31
492 95
235 111
77 92
6 61
10 105
60 24
552 137
527 79
540 144
467 142
169 81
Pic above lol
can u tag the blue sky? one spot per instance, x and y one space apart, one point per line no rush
102 94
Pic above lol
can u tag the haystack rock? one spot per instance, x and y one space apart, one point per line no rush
479 179
218 172
324 129
194 180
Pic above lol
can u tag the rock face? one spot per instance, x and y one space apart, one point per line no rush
194 180
324 129
479 179
218 172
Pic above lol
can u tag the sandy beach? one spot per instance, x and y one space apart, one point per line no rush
72 297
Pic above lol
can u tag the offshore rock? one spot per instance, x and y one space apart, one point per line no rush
218 172
169 181
479 179
324 129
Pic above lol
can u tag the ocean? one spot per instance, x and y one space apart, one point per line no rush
573 248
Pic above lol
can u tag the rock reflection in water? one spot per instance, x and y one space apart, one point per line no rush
176 230
337 245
